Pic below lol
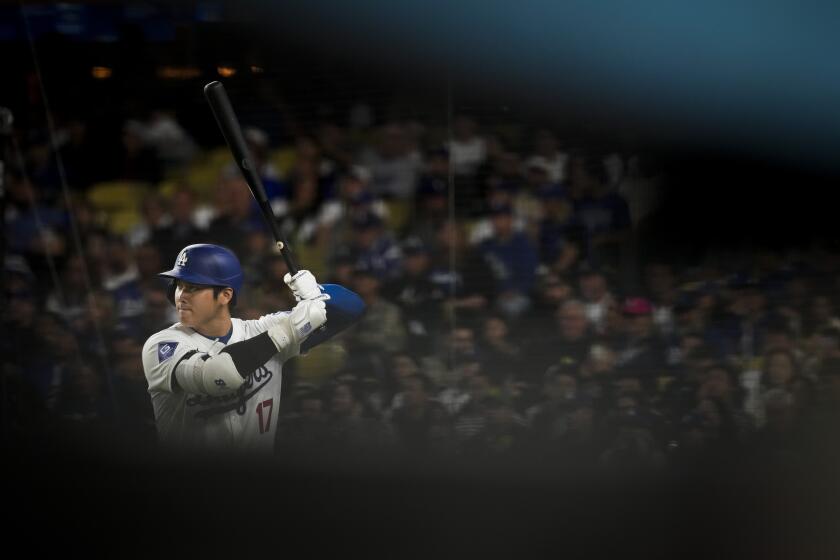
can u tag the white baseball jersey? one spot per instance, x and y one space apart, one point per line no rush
245 420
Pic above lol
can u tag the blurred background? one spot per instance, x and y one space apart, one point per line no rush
596 243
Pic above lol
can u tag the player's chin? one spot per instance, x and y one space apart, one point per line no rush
185 316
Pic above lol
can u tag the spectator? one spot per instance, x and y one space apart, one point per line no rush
500 351
419 298
181 229
70 299
421 425
595 293
236 215
374 248
779 371
642 352
333 226
381 331
121 280
660 287
305 426
561 238
153 217
259 148
393 164
461 271
602 211
549 420
136 159
513 261
570 345
173 146
33 229
547 155
431 202
347 422
467 148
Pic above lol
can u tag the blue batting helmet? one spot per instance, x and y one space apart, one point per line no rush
207 265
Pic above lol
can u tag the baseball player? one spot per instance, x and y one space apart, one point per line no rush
214 380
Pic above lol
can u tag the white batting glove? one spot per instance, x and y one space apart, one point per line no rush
303 285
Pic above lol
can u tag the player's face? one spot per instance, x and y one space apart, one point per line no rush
196 304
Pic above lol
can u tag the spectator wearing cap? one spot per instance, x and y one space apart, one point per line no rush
642 353
419 298
513 261
499 196
373 247
746 320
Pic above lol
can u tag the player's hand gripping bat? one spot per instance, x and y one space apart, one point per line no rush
223 111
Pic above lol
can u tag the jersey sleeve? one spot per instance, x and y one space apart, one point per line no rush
161 353
254 327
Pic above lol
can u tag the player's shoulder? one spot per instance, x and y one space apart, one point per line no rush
174 333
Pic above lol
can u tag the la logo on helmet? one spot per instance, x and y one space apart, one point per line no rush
182 259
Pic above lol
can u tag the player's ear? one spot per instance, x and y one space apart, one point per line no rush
226 295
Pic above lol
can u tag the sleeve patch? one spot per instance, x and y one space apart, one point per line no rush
166 350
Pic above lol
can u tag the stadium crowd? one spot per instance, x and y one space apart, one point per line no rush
514 308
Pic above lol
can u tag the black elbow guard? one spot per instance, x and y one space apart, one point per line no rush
250 354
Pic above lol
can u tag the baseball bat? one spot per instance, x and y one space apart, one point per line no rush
232 131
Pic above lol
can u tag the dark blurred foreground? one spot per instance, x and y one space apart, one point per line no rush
107 497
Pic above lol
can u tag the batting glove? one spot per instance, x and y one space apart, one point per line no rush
303 285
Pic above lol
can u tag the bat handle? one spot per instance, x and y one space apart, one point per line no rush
290 264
